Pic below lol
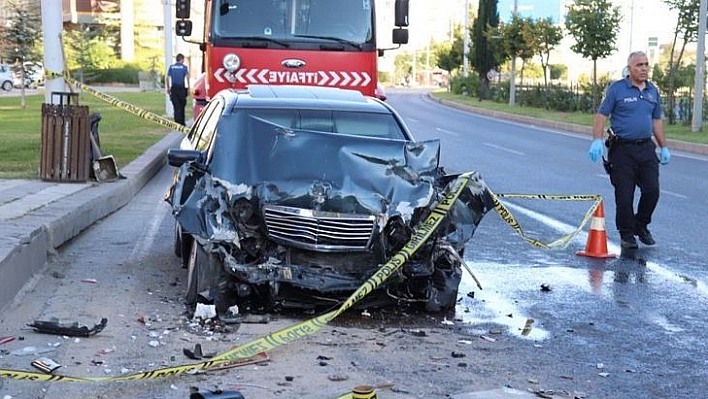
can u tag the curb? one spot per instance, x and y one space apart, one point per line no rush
567 127
36 236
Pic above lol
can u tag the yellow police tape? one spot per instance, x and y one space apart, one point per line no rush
504 212
289 334
147 115
561 242
284 336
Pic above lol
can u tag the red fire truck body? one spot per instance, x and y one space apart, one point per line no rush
295 42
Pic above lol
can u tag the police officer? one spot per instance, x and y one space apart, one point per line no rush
634 108
177 85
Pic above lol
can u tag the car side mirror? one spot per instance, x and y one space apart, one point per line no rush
178 158
183 27
400 36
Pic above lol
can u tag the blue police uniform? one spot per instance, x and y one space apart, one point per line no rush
177 73
633 154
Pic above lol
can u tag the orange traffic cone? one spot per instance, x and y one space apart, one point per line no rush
596 246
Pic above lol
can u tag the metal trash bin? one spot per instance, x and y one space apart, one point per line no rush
65 143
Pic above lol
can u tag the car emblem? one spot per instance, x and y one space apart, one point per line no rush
320 192
293 63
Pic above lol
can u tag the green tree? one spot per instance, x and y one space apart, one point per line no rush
450 54
20 39
516 42
557 71
404 67
687 31
684 76
594 24
543 37
85 49
484 58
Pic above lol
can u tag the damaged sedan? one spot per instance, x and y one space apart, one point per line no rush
292 196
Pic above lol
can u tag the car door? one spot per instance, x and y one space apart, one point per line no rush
198 138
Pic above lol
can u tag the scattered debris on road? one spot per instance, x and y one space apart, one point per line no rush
52 326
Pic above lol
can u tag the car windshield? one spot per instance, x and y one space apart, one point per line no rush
355 123
269 151
335 20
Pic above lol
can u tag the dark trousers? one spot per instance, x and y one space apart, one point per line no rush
634 164
178 96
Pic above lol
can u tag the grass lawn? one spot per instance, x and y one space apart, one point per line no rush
675 132
123 135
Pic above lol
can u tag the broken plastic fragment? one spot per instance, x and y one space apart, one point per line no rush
45 364
527 327
196 394
204 312
197 354
31 350
53 326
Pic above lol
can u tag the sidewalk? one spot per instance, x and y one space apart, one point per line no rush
36 217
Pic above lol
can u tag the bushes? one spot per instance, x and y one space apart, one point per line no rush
562 98
467 86
127 74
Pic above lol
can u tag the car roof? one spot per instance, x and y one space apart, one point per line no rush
303 97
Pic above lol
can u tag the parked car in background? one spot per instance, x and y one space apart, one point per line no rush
35 72
293 196
33 75
6 77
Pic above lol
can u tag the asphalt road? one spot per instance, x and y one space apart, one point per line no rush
627 327
641 315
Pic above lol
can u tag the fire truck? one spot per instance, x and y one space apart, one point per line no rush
294 42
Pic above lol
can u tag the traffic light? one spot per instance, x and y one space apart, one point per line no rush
182 8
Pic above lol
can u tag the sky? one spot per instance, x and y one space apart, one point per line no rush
530 8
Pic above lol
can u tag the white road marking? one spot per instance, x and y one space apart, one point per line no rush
701 286
504 149
674 194
145 241
451 133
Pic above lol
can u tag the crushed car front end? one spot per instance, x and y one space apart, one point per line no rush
296 218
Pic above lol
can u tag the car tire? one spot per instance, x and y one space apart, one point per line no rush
178 241
203 272
7 85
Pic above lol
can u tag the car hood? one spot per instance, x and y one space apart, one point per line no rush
326 171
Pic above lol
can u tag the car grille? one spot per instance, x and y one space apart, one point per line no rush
317 230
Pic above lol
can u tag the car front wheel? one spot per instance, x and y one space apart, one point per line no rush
7 85
203 272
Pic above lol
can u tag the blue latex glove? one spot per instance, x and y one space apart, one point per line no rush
595 152
664 156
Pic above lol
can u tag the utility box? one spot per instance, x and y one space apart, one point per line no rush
65 150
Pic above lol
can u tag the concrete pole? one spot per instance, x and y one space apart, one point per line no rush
127 31
169 111
53 57
512 85
700 76
466 50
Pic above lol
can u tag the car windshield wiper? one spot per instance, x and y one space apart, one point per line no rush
334 39
264 39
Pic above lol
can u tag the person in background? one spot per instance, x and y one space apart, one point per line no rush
177 85
634 108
